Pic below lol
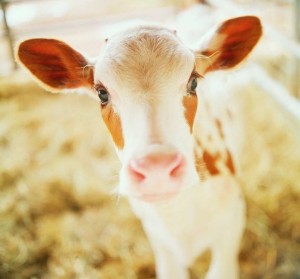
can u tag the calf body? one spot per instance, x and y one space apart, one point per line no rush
178 170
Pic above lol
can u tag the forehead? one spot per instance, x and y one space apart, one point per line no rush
142 57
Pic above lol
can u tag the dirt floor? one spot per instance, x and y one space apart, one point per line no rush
60 219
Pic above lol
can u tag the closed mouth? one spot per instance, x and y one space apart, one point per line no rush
157 197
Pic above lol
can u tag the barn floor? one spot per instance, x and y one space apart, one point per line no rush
59 218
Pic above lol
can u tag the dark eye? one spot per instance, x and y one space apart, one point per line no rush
103 96
192 85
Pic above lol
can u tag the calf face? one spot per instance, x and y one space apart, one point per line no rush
146 80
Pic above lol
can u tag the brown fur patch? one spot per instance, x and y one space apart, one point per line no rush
229 162
55 63
240 36
211 162
113 123
190 104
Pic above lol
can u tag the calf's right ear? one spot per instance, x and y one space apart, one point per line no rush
55 64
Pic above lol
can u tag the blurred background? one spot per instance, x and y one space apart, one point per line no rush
58 169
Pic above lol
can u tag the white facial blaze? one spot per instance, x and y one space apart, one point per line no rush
155 120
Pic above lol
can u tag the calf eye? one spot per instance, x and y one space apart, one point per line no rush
103 96
192 85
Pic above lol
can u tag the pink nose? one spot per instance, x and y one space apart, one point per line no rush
165 165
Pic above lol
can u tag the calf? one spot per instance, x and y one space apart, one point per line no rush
178 169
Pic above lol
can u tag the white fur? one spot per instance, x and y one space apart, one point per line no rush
208 215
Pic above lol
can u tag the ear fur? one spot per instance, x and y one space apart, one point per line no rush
229 44
55 64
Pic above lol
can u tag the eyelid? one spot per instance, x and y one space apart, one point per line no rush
99 85
196 74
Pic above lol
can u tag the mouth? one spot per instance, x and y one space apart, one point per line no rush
152 198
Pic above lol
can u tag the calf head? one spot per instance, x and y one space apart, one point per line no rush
146 80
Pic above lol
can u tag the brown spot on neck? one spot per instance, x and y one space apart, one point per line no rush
210 161
229 162
207 163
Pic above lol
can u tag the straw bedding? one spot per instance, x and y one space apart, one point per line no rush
59 218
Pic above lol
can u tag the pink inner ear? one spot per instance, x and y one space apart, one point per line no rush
55 63
241 35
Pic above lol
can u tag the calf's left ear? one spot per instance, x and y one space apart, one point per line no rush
55 64
228 45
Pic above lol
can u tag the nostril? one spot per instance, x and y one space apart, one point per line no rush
177 167
135 172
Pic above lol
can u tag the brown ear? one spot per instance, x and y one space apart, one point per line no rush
55 64
229 44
